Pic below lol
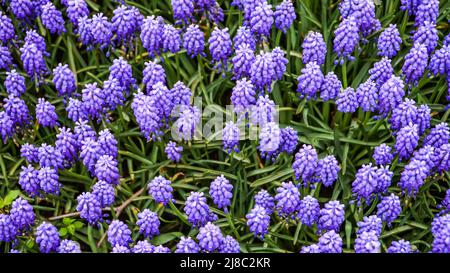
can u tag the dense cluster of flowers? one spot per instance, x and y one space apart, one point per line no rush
354 147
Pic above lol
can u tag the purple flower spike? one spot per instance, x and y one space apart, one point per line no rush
64 80
407 141
391 94
89 207
230 137
314 48
265 200
347 101
258 221
220 47
173 151
427 35
152 29
45 113
331 87
7 31
331 216
52 19
47 237
413 177
389 42
148 223
183 10
416 61
161 190
382 71
244 36
287 199
382 154
262 19
262 72
284 15
305 164
15 83
197 209
328 170
242 61
346 38
221 191
308 210
310 81
194 41
367 96
389 208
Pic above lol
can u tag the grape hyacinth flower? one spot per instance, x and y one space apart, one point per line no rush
288 140
310 81
427 154
113 93
382 154
107 143
331 86
328 170
305 164
330 242
183 10
243 95
441 230
314 248
346 38
7 31
160 189
220 47
438 136
258 221
93 100
314 48
8 231
119 234
440 61
64 80
400 246
122 71
6 126
52 19
161 249
89 154
152 29
407 141
403 114
147 116
125 22
187 123
181 94
209 237
22 9
269 140
347 101
370 223
194 41
104 193
391 94
279 61
244 36
197 209
30 153
152 74
230 137
85 32
76 9
76 111
120 249
171 40
143 247
161 97
262 72
242 61
229 245
389 42
47 237
67 145
68 246
45 113
221 191
187 245
427 11
83 132
101 30
284 15
381 71
308 210
367 242
106 169
22 214
6 59
384 179
413 177
367 96
363 12
48 180
33 60
14 83
173 151
389 208
427 35
416 61
444 158
331 216
148 223
28 181
365 182
17 110
89 208
265 200
263 111
262 19
287 199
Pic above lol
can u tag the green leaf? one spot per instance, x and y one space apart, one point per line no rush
68 221
78 224
167 237
9 198
71 229
63 232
